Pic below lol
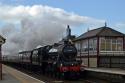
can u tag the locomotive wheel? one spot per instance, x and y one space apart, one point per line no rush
60 75
56 74
53 74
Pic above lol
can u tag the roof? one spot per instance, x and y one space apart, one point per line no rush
102 31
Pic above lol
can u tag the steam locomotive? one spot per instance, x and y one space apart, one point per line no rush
57 60
61 61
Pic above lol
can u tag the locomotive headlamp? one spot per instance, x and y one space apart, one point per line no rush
72 64
54 63
61 64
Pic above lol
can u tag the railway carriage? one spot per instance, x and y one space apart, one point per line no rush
24 59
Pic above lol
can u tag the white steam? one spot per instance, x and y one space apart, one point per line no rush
26 27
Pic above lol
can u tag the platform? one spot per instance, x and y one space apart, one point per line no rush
11 75
114 75
116 71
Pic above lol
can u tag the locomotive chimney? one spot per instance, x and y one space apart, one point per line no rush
68 32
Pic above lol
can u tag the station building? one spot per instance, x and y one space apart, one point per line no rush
101 47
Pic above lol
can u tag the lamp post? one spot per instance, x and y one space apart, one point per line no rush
0 64
2 41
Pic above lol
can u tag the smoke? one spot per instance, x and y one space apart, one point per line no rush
26 27
30 35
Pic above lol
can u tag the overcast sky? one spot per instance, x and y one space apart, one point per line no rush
28 23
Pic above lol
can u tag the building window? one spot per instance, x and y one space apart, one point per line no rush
119 45
91 45
103 44
114 45
95 44
84 46
108 44
78 46
111 44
